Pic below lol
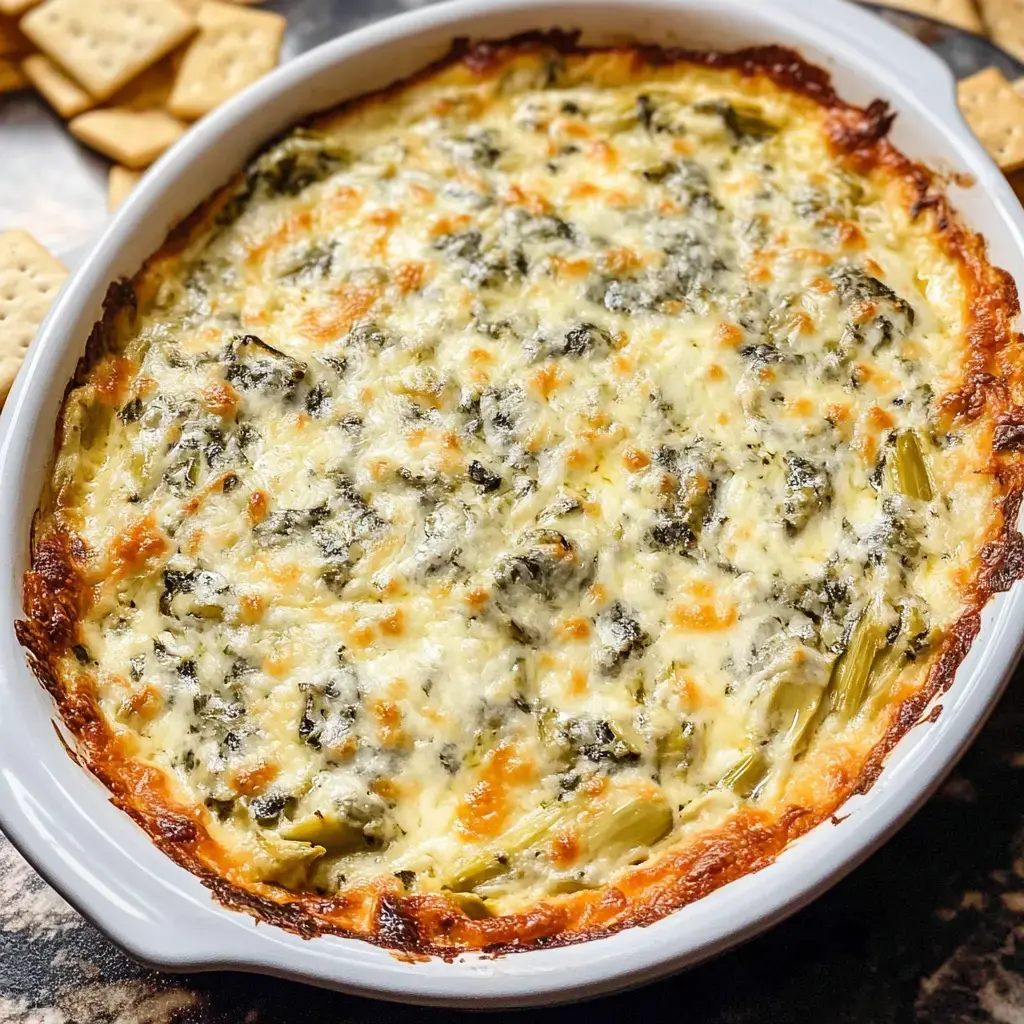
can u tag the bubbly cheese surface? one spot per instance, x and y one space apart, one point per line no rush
516 476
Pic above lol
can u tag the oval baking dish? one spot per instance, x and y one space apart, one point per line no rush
104 865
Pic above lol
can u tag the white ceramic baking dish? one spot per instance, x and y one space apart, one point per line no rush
59 816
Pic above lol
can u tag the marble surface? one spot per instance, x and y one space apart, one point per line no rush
927 930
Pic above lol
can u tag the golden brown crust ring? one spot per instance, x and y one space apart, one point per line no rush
54 595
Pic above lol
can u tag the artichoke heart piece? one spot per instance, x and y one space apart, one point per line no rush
909 471
795 678
746 775
795 706
676 748
329 830
340 816
641 819
914 637
285 861
483 864
852 673
714 802
623 819
471 905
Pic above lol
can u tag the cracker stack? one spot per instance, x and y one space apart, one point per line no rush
994 109
1004 22
991 104
128 75
29 281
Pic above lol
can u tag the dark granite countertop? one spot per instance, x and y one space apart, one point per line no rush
926 930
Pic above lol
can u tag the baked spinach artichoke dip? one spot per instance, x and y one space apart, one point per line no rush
529 497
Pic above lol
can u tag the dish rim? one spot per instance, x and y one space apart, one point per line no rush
215 937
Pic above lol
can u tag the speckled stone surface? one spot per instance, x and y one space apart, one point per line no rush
930 929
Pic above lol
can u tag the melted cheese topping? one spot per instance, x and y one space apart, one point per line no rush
510 480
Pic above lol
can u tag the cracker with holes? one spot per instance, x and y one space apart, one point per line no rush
151 89
134 138
64 94
235 46
995 112
104 44
29 281
1004 22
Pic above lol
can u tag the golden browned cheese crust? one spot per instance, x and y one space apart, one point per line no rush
531 496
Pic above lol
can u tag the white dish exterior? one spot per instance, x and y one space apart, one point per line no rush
60 817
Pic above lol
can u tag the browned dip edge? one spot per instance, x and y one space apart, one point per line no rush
380 912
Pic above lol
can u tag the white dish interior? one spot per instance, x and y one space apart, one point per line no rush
60 816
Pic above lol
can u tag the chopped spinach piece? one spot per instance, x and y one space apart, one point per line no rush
644 110
257 366
131 411
176 582
744 125
549 567
368 335
596 740
183 475
620 637
586 339
483 477
287 524
267 809
808 489
317 400
315 262
331 709
449 758
855 285
286 168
